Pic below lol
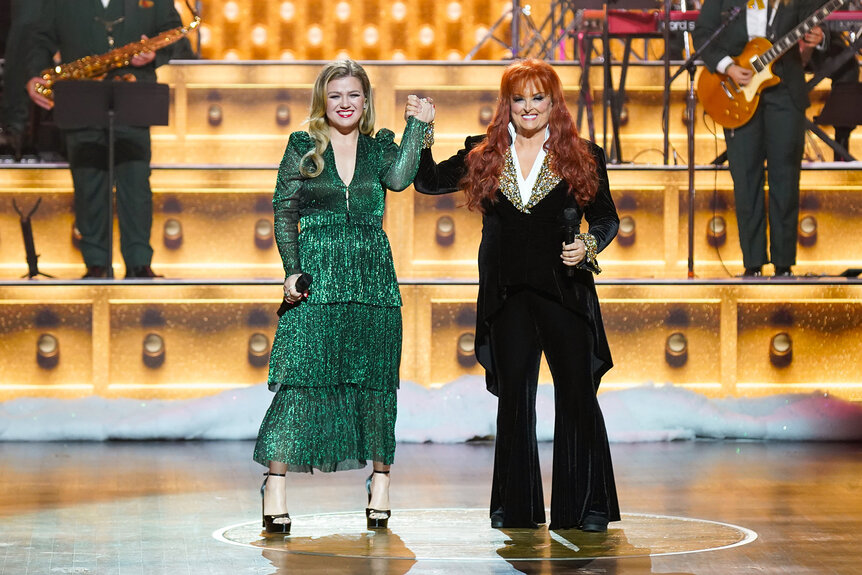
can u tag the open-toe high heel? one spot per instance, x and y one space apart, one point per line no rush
271 523
376 522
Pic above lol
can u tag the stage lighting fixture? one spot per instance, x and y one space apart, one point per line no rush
399 11
716 231
370 35
453 11
214 115
781 349
258 349
676 349
47 351
153 350
486 114
173 234
466 349
807 231
282 115
315 35
287 11
445 230
258 36
626 233
342 11
426 35
263 236
231 11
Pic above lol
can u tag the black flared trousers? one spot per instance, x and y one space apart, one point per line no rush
583 479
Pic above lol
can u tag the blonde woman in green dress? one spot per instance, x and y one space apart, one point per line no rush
335 356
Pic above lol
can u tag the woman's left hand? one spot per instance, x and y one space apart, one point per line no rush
422 108
573 253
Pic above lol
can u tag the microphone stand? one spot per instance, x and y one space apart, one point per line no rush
690 106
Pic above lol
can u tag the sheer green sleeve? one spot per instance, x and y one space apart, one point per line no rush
400 163
285 202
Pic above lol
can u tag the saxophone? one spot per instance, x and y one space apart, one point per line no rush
96 67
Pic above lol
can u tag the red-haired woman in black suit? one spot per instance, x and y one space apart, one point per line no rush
536 294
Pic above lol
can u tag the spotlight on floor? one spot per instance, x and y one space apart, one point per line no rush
781 349
263 236
626 233
258 349
676 349
173 234
466 349
47 351
154 350
445 230
716 231
807 231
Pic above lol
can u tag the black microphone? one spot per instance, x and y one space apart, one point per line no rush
303 282
571 227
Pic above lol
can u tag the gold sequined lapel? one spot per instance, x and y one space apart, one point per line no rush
546 182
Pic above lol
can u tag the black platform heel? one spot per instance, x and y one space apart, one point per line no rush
269 521
374 523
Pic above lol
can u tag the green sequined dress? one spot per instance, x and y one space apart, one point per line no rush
335 357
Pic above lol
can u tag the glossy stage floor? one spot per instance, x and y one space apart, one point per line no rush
693 507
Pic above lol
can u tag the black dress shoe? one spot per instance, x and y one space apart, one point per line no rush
754 272
783 272
141 272
95 272
497 519
595 523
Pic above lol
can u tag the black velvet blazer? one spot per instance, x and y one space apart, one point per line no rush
523 249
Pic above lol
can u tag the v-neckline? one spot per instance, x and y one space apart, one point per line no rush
335 164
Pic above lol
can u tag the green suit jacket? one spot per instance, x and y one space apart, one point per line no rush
733 39
77 28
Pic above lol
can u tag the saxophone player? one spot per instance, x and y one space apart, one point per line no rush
77 29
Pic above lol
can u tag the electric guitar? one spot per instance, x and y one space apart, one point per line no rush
732 105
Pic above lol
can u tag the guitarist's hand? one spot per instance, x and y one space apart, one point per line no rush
738 74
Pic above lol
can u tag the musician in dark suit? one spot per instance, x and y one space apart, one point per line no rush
536 294
775 133
77 29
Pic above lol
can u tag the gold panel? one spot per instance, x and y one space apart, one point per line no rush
22 322
825 336
206 342
638 330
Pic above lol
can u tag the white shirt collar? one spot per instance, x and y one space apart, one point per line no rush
525 185
105 3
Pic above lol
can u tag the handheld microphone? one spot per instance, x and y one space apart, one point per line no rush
570 223
303 282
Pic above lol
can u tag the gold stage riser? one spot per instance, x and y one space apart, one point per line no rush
230 113
219 209
727 330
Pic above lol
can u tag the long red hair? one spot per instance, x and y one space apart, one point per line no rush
570 157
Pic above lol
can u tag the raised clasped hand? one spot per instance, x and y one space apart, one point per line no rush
573 253
422 108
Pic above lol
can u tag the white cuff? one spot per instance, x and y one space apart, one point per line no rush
723 65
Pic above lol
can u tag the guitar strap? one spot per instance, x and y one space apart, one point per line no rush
771 11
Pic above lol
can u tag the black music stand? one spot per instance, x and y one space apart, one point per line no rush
89 104
841 110
612 99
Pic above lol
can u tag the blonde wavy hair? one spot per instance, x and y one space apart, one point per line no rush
318 128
